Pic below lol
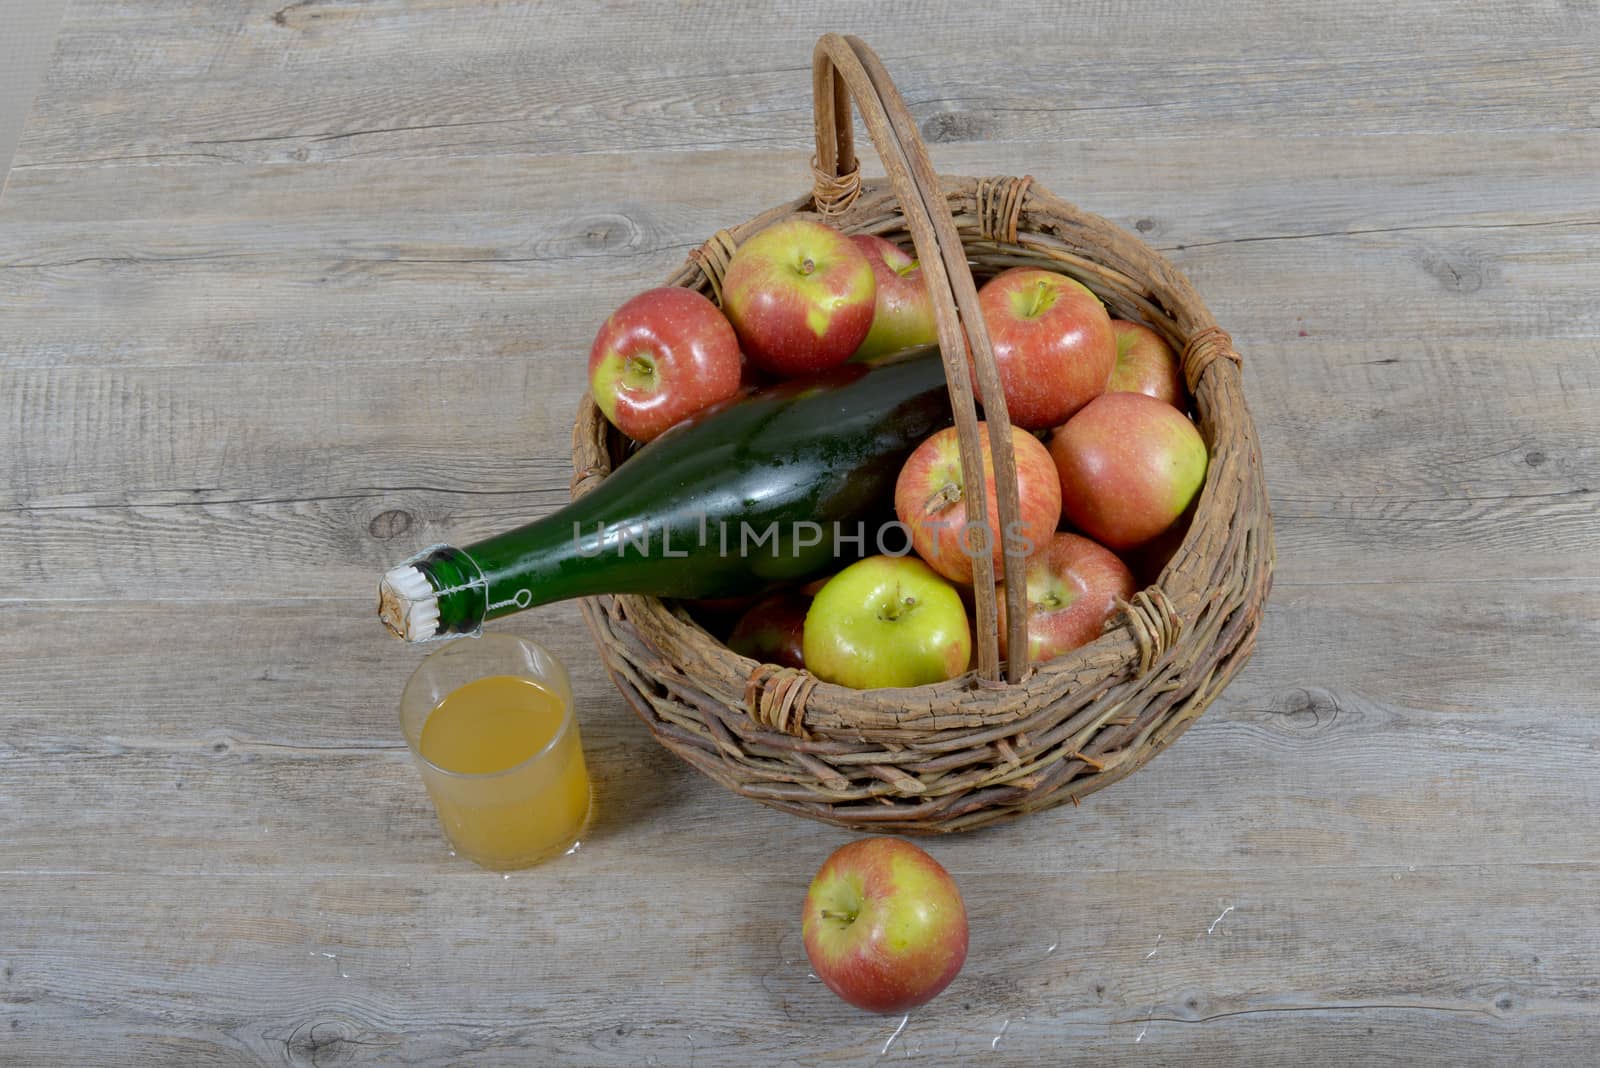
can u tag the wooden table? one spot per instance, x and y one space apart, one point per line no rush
289 291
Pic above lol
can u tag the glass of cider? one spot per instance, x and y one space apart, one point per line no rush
490 723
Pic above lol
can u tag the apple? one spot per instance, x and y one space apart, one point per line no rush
1145 364
1129 466
902 316
884 925
1073 588
716 614
1148 560
886 621
800 296
664 355
1053 346
928 500
773 629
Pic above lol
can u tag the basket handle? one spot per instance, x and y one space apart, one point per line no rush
845 69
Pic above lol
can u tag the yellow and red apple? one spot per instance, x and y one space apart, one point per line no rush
902 316
661 357
1052 340
1145 364
1073 587
884 925
800 295
886 621
1129 467
931 488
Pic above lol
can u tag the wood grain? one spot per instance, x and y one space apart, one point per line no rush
288 291
241 748
261 82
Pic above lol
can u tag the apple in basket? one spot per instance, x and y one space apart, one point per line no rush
902 317
887 621
773 629
1145 364
664 355
928 499
800 295
1073 588
884 925
1052 340
1129 467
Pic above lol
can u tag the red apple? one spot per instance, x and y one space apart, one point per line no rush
773 630
800 296
1073 588
1129 466
903 314
1148 560
661 357
884 925
1053 346
716 614
928 500
1145 364
886 621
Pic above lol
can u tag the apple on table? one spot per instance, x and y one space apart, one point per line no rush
929 499
661 357
884 925
902 315
1129 466
886 621
1052 341
1145 364
1073 586
800 296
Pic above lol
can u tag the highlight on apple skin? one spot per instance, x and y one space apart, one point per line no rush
884 925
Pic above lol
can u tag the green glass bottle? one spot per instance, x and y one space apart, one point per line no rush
776 487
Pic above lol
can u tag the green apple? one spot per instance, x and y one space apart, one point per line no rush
887 621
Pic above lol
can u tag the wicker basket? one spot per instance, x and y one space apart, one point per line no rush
985 746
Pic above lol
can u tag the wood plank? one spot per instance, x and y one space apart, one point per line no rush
289 290
260 81
366 261
1196 968
1374 726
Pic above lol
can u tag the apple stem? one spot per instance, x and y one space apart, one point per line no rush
1039 292
847 917
807 266
942 498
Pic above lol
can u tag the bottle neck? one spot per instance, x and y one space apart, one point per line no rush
441 591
